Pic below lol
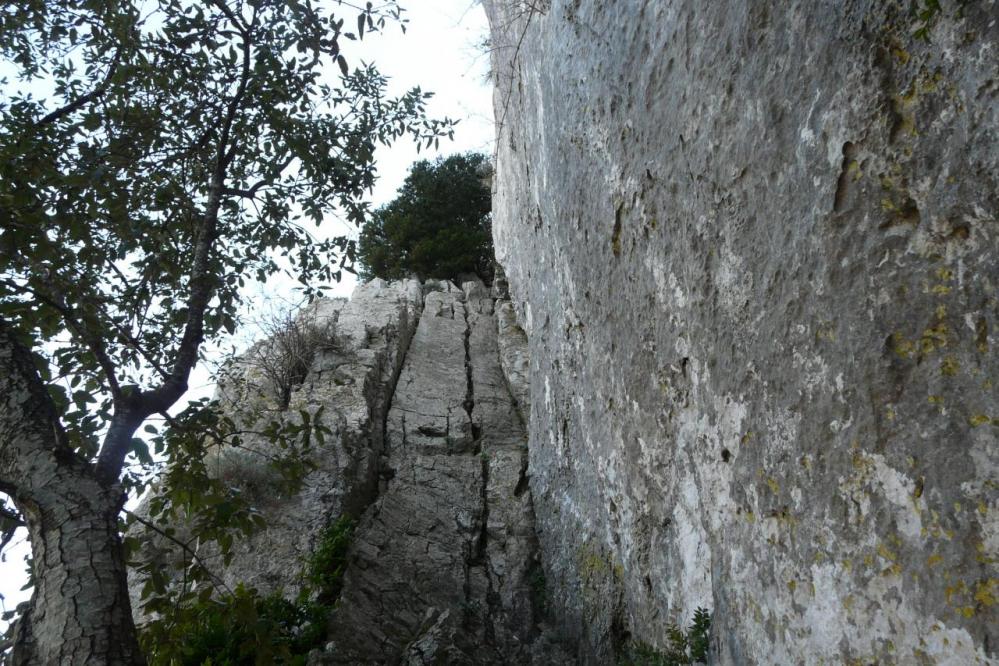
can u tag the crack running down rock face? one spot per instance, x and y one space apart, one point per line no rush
430 452
440 562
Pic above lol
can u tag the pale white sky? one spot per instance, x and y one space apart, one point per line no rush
439 53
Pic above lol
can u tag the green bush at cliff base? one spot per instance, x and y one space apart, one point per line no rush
245 628
328 562
439 225
685 647
241 629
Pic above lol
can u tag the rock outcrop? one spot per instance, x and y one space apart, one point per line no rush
428 451
442 561
353 363
755 250
351 377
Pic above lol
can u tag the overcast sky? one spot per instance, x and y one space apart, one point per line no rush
439 52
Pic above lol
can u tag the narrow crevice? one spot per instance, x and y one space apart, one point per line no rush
467 616
394 381
480 555
490 612
845 173
469 403
538 589
372 488
523 482
469 406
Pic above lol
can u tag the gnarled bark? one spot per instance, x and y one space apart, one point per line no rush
80 612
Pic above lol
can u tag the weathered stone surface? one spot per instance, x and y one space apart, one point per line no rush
440 567
514 358
411 554
430 452
429 410
509 544
352 378
754 247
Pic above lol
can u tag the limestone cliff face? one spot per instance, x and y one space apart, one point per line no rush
427 451
755 249
447 550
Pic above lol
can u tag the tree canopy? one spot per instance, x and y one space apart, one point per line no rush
178 147
439 225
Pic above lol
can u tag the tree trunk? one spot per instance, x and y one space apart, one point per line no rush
80 611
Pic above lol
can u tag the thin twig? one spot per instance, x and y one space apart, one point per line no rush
218 582
79 102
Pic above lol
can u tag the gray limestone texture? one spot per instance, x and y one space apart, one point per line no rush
442 562
755 250
428 452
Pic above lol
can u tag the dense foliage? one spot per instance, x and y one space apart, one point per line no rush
685 647
155 156
437 227
243 627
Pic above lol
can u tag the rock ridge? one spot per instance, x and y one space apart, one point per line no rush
427 452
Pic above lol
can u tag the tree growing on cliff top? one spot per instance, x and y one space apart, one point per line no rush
439 225
178 146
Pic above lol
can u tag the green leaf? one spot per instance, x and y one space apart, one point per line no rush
141 451
108 205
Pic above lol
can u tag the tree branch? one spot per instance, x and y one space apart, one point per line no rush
92 342
244 30
83 100
117 442
248 193
218 582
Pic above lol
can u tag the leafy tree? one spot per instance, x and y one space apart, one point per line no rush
437 227
685 647
242 626
180 146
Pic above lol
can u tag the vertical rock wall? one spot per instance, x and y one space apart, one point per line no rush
755 249
428 451
440 570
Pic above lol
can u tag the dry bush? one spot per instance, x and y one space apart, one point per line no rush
292 343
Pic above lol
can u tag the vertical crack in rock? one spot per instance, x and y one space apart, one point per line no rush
409 584
383 471
429 456
469 403
523 481
439 565
482 559
379 396
477 560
